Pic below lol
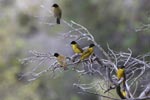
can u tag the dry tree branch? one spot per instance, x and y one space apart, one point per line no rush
146 92
106 66
110 98
128 57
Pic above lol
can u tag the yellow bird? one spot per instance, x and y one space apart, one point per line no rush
57 12
76 48
61 60
121 72
87 52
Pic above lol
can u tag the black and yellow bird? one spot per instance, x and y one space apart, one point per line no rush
57 12
87 52
61 60
121 74
76 48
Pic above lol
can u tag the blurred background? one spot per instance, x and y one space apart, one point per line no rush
23 27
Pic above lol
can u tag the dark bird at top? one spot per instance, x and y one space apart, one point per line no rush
57 12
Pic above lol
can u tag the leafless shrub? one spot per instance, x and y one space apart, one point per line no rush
105 67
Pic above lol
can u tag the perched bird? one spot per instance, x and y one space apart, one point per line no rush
57 12
76 48
61 60
121 72
87 52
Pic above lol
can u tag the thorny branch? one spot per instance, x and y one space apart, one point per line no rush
106 67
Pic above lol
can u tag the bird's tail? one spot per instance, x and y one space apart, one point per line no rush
118 90
58 20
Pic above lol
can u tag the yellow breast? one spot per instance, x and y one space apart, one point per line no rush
76 49
120 73
61 60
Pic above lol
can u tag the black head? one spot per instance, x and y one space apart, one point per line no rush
55 5
122 66
73 42
56 54
91 45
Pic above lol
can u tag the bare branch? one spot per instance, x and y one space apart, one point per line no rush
146 92
106 67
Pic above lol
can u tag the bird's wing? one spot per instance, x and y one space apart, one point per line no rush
86 54
79 48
